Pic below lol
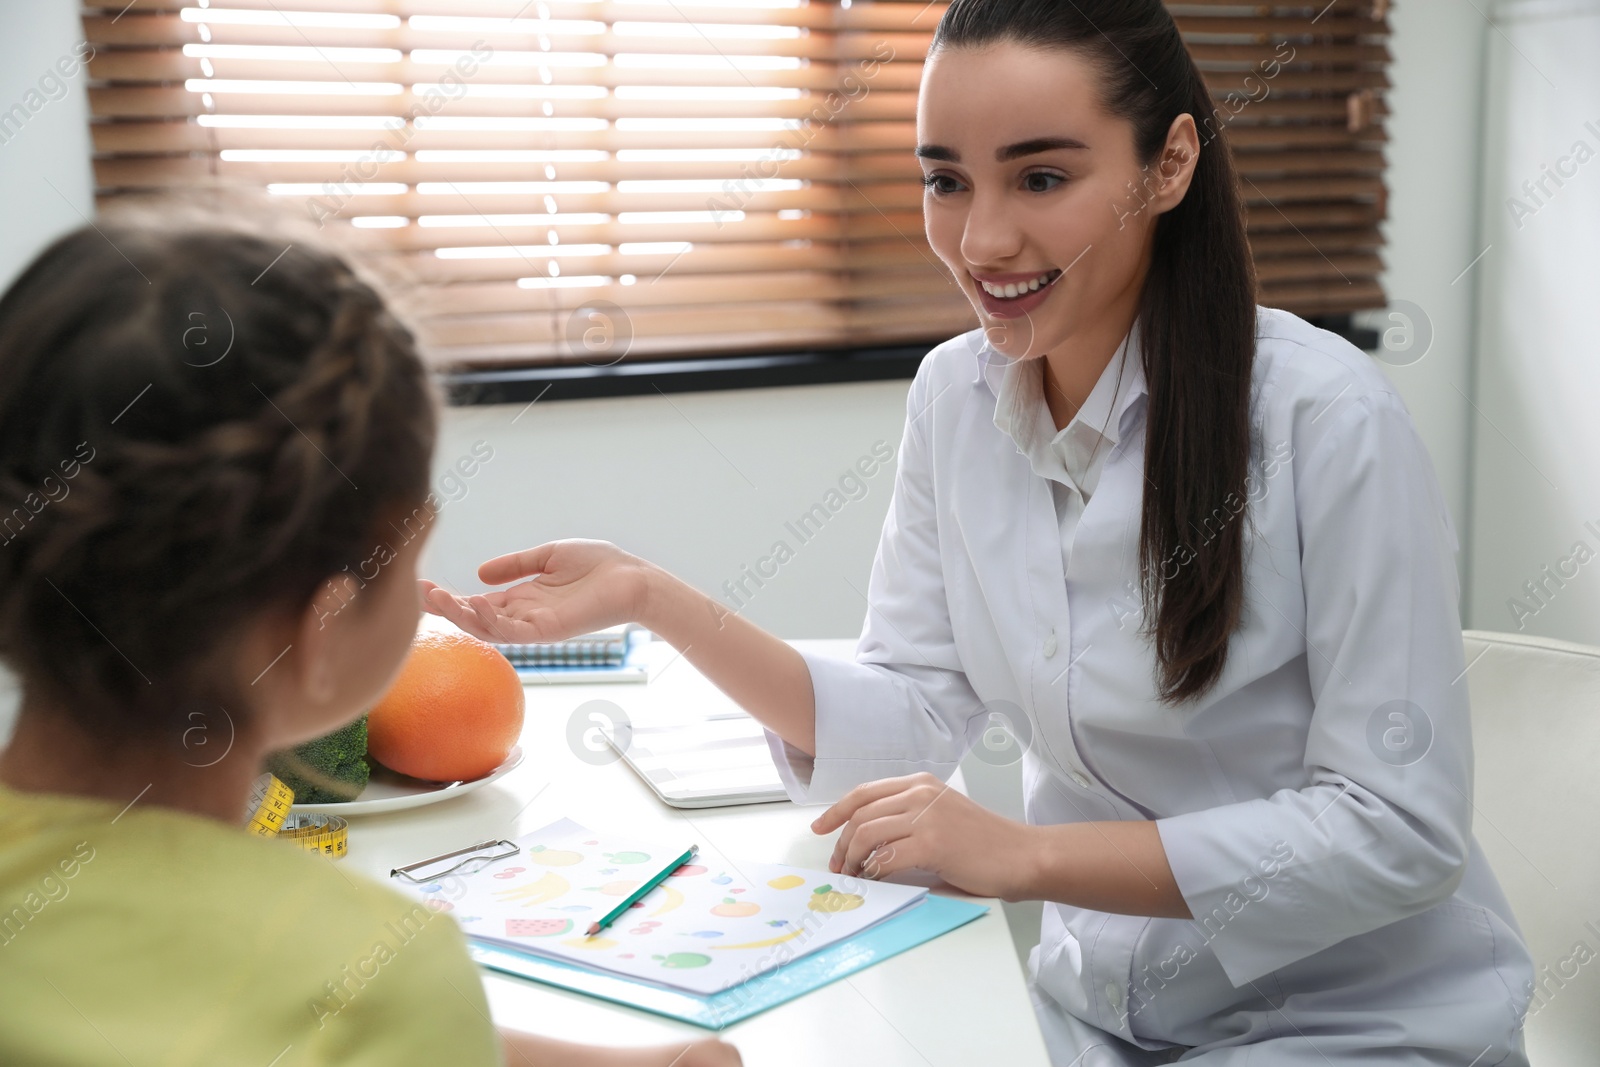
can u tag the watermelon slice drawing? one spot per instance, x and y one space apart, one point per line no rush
537 927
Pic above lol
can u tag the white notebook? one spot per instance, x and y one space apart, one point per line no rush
711 762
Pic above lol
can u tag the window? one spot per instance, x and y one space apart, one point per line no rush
668 180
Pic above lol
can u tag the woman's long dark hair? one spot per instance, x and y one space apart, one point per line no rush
1196 316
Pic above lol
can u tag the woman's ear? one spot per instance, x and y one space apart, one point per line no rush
1176 163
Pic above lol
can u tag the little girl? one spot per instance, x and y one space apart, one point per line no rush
199 431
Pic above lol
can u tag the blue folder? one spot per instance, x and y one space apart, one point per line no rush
934 916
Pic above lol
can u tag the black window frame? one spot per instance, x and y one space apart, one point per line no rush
524 385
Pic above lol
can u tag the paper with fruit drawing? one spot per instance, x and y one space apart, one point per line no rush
708 927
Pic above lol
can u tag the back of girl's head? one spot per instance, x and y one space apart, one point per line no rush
198 426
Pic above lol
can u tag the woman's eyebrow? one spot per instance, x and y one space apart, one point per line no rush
1006 154
1035 146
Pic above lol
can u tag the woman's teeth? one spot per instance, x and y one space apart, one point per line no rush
1014 290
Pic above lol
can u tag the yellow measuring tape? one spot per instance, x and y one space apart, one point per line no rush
269 816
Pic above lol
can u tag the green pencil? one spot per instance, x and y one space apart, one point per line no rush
637 895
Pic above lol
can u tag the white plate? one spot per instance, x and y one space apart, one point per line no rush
387 791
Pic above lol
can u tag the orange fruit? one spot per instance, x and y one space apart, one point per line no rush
453 714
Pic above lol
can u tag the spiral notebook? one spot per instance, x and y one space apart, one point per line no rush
603 648
601 657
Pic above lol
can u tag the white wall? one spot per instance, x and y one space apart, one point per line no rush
1536 492
45 183
701 483
1433 156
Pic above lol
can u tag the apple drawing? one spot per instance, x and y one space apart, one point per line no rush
681 960
627 857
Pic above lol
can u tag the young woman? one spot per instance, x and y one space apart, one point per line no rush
201 436
1189 551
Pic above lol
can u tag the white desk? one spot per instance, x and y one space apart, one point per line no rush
958 1000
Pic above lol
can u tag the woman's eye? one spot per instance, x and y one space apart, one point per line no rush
1035 182
935 183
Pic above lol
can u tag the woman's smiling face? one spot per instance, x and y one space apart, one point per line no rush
1033 188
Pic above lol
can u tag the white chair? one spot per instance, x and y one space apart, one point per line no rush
1536 738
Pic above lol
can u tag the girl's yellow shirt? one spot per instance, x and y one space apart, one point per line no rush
151 936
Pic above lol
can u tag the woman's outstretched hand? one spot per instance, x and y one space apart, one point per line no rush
574 587
577 587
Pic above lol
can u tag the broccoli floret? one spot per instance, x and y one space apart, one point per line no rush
326 769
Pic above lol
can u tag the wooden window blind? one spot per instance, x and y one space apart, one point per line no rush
575 181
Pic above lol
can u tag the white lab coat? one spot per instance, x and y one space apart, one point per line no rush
1314 806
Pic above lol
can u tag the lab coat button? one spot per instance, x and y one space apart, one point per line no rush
1114 995
1081 778
1050 645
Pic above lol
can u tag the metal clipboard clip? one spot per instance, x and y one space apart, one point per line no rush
507 849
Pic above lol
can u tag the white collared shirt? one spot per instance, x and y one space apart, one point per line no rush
1070 458
1314 805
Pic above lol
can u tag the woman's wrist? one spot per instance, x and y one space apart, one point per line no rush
650 596
1038 873
665 603
1117 866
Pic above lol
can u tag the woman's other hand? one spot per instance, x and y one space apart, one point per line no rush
918 821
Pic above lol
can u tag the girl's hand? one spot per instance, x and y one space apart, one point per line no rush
707 1052
574 587
919 821
531 1050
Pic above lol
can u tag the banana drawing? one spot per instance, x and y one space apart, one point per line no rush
532 894
762 944
673 899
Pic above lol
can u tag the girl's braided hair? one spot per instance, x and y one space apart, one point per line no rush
197 426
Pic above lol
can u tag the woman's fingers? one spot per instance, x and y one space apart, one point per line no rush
441 602
901 855
882 808
507 629
861 795
514 565
426 587
870 837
